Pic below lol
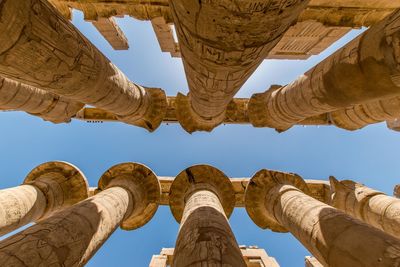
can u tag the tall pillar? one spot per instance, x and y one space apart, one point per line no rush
366 69
222 44
201 199
279 201
41 48
50 187
368 205
18 96
128 198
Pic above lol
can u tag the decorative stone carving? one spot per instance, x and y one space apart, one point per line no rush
279 201
43 49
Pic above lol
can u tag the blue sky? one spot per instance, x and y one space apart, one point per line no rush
368 156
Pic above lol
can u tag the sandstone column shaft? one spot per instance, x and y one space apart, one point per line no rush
70 237
366 69
20 206
333 237
51 107
222 43
43 49
49 187
359 116
396 191
368 205
205 237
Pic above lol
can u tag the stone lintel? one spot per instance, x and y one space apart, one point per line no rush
312 262
236 114
143 186
200 177
319 190
110 30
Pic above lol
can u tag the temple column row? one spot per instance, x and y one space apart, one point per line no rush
39 47
128 197
364 70
280 201
70 227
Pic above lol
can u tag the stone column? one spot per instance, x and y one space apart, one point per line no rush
128 198
366 69
50 187
279 201
51 107
201 199
41 48
359 116
368 205
222 44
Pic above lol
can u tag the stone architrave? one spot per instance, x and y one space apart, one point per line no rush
279 201
222 44
50 187
201 199
368 205
128 198
367 69
51 107
312 262
43 49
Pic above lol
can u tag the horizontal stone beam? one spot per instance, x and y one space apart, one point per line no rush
319 189
110 30
236 114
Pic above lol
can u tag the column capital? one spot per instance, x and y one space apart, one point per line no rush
200 177
62 183
143 186
342 190
259 187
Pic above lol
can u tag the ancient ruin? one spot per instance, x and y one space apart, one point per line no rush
201 198
49 69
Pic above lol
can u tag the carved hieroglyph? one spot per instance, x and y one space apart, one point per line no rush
366 69
368 205
43 49
70 237
51 107
279 201
222 43
48 188
201 198
359 116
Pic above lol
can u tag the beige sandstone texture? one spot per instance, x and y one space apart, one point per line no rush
201 199
51 107
368 205
128 198
366 69
222 43
110 30
279 201
312 262
396 191
43 49
48 188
